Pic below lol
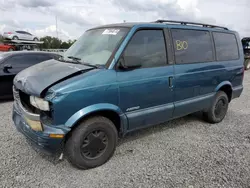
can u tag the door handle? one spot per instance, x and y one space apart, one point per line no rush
170 81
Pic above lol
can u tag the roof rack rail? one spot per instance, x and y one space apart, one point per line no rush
190 23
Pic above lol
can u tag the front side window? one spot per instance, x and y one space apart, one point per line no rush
192 46
147 47
43 57
226 46
96 46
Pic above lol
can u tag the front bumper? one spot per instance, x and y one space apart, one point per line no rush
40 139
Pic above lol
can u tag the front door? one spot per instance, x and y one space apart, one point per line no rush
10 67
8 71
146 92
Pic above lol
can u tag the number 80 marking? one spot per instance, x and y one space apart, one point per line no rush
181 45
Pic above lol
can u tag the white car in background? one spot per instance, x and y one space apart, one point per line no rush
19 35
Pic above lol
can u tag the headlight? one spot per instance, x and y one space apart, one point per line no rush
39 103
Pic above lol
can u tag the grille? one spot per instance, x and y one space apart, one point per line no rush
16 94
25 101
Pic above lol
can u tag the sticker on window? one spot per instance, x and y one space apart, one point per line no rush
110 31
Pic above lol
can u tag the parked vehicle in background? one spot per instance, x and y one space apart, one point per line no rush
19 35
19 45
123 77
6 48
246 48
12 63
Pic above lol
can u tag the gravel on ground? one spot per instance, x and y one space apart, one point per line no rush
186 152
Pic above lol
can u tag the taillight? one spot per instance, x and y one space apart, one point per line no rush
9 33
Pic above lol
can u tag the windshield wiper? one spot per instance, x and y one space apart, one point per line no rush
76 59
90 65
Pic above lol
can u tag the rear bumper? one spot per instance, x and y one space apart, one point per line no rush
39 139
237 92
6 36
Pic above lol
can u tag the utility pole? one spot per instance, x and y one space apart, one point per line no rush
56 29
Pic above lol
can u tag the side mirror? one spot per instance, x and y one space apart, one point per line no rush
129 63
7 67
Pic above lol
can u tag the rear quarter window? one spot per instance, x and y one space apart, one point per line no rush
192 46
226 46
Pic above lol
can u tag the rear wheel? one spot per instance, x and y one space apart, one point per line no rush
35 39
247 64
218 109
15 38
92 143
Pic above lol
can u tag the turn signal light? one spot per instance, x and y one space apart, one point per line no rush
56 135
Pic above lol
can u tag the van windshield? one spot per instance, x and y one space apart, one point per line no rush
95 46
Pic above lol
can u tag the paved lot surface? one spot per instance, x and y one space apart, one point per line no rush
186 152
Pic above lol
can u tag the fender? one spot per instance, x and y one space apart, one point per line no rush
95 108
223 84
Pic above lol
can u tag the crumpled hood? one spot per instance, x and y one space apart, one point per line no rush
35 79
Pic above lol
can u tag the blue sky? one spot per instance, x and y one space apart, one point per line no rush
75 16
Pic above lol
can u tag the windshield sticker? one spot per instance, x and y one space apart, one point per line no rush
110 31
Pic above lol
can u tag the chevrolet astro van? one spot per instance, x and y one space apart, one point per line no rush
122 77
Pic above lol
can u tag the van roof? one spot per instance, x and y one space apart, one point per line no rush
183 24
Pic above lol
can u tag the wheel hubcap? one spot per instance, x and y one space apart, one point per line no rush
220 108
94 144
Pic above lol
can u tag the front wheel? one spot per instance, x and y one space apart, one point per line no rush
92 143
218 109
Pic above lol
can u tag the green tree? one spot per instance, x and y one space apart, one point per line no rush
65 45
55 43
1 38
47 41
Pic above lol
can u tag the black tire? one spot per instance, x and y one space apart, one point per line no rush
76 143
218 109
247 64
35 39
15 38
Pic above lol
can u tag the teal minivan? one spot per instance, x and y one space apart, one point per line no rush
123 77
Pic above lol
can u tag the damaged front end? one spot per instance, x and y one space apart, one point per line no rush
36 124
33 109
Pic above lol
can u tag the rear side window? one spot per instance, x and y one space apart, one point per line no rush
226 46
192 46
148 47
